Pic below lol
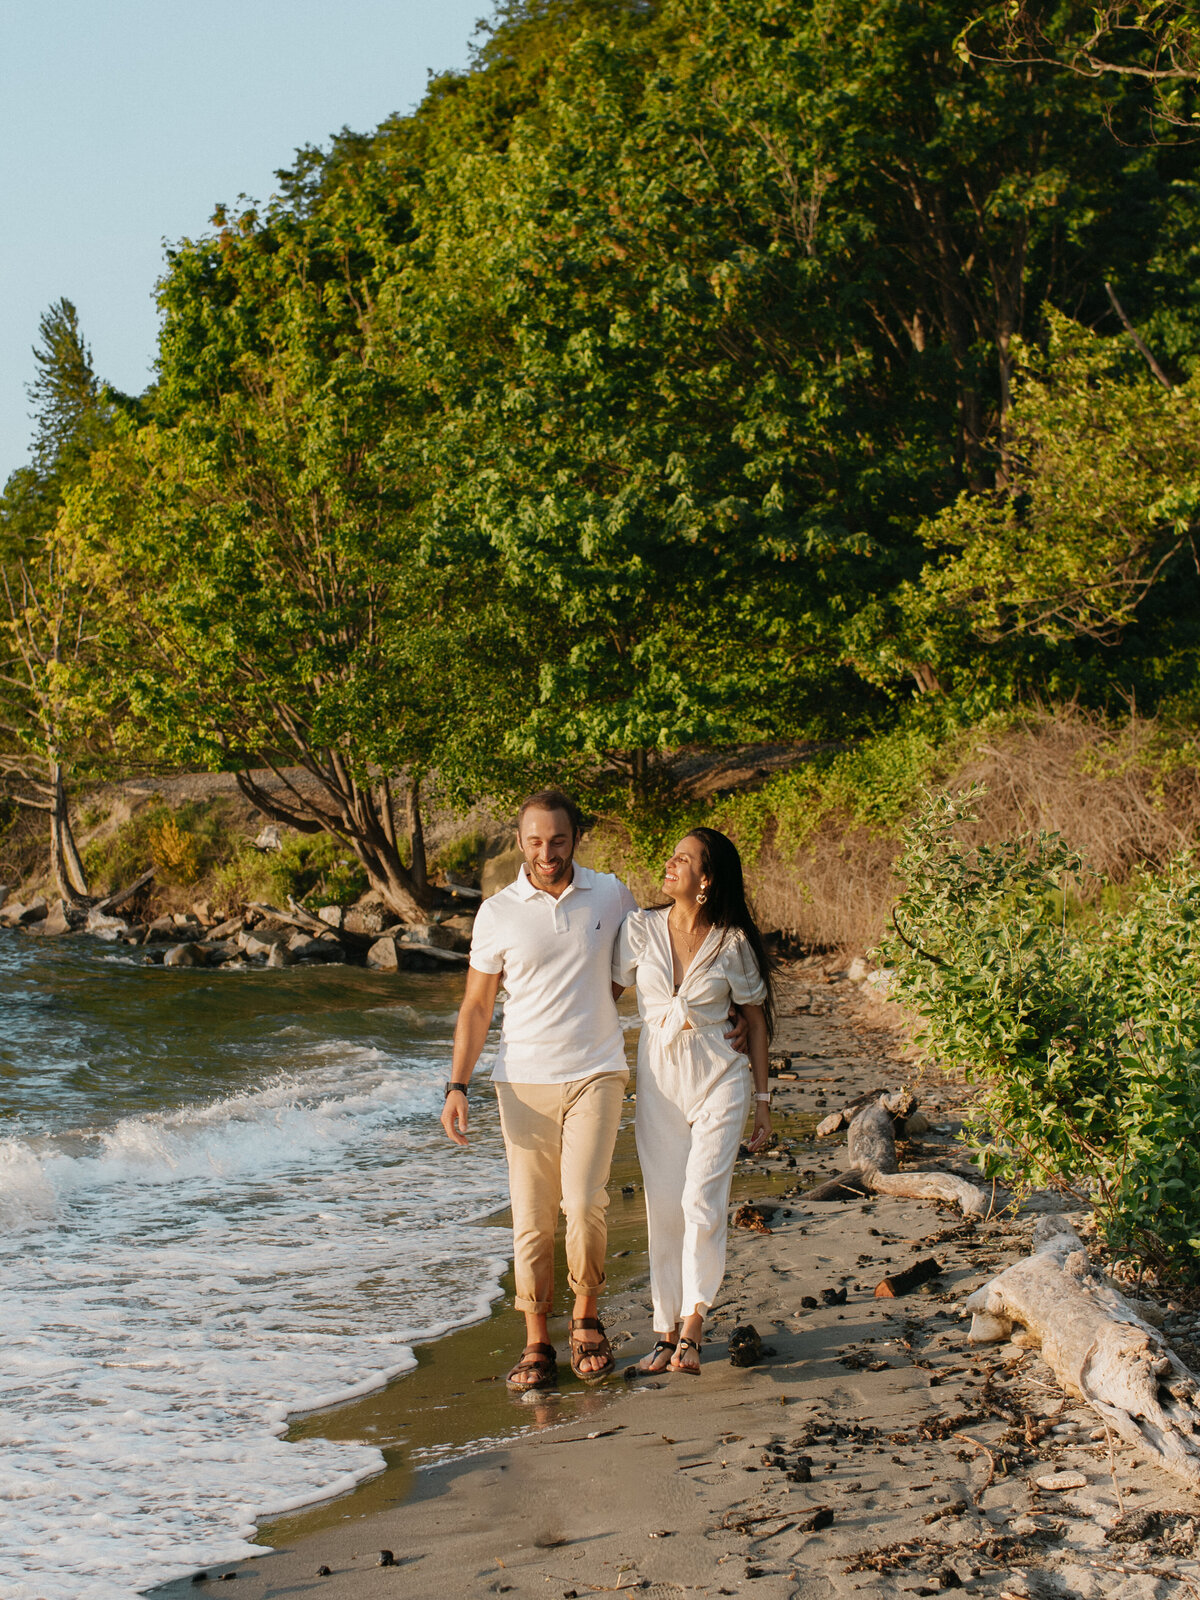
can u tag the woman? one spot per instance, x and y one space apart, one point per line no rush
690 959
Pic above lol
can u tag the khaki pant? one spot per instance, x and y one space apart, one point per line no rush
559 1138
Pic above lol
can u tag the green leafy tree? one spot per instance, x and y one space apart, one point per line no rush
49 625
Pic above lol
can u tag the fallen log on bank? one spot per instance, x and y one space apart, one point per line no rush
875 1169
1096 1345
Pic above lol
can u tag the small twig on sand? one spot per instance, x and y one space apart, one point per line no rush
1112 1467
979 1493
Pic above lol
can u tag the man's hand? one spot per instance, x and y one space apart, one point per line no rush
455 1115
739 1031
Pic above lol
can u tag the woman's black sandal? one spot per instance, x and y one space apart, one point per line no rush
688 1344
539 1359
639 1371
581 1351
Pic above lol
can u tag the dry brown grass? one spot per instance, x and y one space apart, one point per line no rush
1118 793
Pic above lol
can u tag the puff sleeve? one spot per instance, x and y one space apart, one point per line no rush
629 950
746 984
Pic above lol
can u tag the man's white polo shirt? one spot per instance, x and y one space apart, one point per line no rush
560 1021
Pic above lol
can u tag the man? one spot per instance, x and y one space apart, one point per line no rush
560 1072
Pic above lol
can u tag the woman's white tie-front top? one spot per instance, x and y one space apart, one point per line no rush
723 969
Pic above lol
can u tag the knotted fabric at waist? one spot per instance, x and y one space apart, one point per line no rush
670 1020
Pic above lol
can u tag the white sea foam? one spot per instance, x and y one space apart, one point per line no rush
172 1286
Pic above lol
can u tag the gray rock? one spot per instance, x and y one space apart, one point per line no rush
105 927
368 916
185 955
55 923
261 941
218 951
268 838
16 915
226 930
382 956
305 948
280 956
332 915
162 928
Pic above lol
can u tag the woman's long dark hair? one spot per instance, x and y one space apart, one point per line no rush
726 906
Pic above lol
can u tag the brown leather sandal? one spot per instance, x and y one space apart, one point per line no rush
541 1361
581 1351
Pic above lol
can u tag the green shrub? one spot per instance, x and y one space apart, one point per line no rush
315 864
186 843
463 857
1083 1031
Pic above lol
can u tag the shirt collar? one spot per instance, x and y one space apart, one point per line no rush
584 878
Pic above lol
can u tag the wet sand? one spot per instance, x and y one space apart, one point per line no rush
871 1451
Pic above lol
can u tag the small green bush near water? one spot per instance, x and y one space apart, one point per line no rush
1083 1032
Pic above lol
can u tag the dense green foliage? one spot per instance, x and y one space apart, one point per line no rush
1084 1033
679 374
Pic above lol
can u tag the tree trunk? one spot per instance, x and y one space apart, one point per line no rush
416 839
871 1150
349 813
1097 1346
65 864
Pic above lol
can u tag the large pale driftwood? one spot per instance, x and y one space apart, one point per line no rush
874 1169
1098 1347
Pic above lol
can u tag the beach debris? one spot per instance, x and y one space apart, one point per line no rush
911 1278
199 1577
816 1519
324 1572
808 1302
745 1346
875 1168
1098 1347
834 1297
386 1559
1060 1482
753 1217
228 1577
1131 1527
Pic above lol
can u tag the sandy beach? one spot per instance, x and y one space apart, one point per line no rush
871 1450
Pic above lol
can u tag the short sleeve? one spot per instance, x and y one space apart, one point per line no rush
486 953
628 903
746 984
629 950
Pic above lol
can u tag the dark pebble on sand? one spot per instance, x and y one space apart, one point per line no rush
807 1301
386 1559
834 1297
822 1517
801 1473
745 1347
324 1572
199 1577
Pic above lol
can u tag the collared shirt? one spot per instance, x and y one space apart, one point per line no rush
724 968
560 1019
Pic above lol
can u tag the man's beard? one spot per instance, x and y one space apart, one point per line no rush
557 877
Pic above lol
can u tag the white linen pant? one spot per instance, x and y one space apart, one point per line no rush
692 1099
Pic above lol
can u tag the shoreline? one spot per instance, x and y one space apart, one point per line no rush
872 1450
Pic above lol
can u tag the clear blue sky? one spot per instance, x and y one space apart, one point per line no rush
124 122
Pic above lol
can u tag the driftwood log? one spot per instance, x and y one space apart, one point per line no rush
874 1169
1097 1346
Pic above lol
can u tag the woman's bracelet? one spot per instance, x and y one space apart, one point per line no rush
765 1097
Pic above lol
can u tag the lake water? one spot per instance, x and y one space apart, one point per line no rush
224 1198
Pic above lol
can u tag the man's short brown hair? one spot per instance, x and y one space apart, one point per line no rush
552 800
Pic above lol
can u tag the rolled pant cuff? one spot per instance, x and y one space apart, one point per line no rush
591 1289
538 1308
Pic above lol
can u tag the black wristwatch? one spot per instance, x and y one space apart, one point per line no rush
451 1087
